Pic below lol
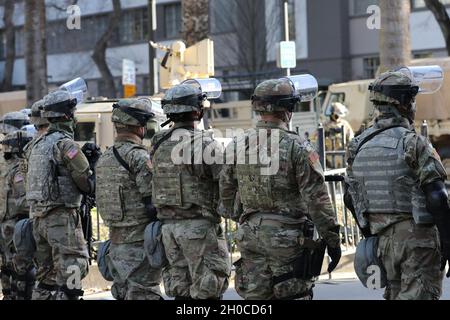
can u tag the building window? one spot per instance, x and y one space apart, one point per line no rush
134 26
370 66
420 4
20 43
422 55
172 20
359 7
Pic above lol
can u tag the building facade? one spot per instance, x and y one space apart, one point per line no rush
332 38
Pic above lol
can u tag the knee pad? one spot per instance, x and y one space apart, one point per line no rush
293 288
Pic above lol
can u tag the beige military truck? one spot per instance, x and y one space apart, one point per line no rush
435 108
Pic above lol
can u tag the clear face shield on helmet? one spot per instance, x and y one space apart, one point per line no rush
429 79
305 86
77 88
211 88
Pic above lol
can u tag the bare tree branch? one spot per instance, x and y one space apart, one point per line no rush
99 54
440 13
55 6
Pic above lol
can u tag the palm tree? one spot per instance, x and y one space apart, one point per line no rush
395 41
35 50
195 14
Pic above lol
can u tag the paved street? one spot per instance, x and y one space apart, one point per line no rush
342 289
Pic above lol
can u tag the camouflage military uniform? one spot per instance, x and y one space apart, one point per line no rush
61 248
410 253
193 238
120 193
333 140
275 210
5 272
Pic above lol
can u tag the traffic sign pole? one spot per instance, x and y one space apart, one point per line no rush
286 29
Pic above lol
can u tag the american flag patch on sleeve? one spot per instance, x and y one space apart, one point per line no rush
72 153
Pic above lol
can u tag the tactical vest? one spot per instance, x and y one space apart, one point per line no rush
15 190
49 184
276 193
383 181
118 199
179 185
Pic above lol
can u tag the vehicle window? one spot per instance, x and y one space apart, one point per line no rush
303 107
335 97
85 131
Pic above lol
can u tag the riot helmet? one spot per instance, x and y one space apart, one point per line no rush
14 143
132 112
36 114
13 121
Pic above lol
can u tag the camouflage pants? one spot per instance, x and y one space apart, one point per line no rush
268 250
61 251
411 257
199 262
134 279
24 267
7 268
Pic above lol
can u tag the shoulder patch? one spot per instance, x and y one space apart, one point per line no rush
18 178
72 153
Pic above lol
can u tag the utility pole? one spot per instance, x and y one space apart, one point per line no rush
152 60
286 29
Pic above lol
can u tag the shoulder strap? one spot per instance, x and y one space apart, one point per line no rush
373 135
121 160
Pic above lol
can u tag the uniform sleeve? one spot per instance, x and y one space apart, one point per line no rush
140 165
423 159
228 187
18 189
311 183
76 163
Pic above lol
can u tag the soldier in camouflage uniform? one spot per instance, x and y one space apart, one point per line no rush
396 189
333 134
124 200
58 174
16 207
277 205
10 122
186 195
23 261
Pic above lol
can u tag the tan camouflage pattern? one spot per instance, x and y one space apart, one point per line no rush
59 245
121 118
177 92
268 249
134 279
119 193
36 109
282 87
54 98
199 262
268 244
198 194
410 253
298 188
72 165
389 78
119 201
411 257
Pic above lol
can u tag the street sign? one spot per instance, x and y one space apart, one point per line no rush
128 72
287 55
129 78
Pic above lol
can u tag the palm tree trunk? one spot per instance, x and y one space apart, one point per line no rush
195 14
35 50
395 41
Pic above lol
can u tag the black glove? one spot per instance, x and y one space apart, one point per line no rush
334 253
437 204
92 153
150 209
